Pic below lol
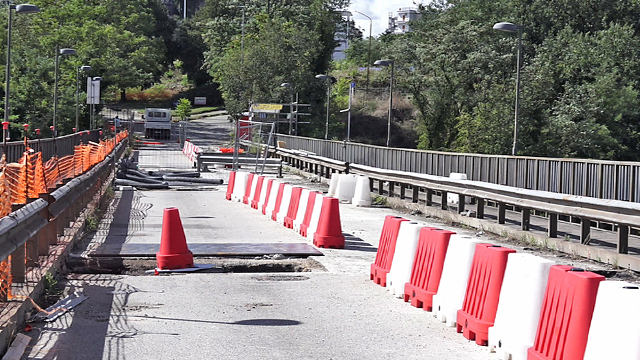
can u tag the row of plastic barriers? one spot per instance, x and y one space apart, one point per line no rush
309 213
519 305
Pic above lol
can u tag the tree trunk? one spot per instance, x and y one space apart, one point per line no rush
123 94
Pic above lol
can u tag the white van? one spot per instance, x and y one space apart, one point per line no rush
157 123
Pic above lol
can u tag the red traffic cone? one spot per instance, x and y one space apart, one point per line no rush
329 232
174 253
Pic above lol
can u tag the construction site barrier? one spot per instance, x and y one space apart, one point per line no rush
329 231
314 196
386 248
302 210
231 184
566 314
283 209
427 269
251 187
264 196
514 329
292 212
255 198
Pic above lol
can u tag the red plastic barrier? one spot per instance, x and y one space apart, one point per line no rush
247 190
232 180
293 207
276 209
266 199
329 232
174 253
566 313
483 292
386 248
427 268
307 214
256 195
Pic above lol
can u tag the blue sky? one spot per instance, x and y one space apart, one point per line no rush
378 11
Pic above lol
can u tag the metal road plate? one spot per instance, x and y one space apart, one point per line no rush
209 249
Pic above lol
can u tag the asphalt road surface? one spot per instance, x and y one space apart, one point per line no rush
331 310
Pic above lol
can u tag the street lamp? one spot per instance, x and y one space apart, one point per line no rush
370 36
514 29
388 63
59 52
328 80
83 68
20 9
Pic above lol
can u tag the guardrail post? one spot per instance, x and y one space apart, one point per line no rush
461 204
585 231
429 197
479 208
43 242
502 209
18 267
525 219
553 225
443 200
391 187
32 252
414 198
403 188
380 187
623 239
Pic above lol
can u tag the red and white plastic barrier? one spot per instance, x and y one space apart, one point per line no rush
403 257
386 248
191 151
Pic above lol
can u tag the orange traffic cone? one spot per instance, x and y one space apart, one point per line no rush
174 253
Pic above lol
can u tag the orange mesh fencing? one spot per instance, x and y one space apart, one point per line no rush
5 279
5 192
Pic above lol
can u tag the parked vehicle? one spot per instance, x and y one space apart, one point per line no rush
157 123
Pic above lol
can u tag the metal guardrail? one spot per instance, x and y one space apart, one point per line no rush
613 180
622 214
61 146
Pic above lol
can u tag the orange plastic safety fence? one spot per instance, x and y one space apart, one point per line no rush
5 279
5 192
35 175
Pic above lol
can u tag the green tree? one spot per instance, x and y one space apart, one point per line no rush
183 110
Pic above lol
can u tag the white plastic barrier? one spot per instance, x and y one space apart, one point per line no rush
254 185
263 194
455 198
614 331
453 281
403 257
315 217
271 202
239 186
362 192
284 204
521 297
333 184
302 209
346 187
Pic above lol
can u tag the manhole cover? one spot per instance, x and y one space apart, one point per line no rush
279 278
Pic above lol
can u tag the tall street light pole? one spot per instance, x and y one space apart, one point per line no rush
55 86
328 80
20 9
514 29
82 68
369 52
391 64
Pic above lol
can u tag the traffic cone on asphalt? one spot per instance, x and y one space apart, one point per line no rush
174 253
329 232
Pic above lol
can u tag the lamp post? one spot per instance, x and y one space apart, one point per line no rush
369 52
81 68
514 29
388 63
55 86
328 80
20 9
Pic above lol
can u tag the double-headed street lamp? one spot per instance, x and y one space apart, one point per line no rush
20 9
326 78
388 63
59 52
514 29
83 68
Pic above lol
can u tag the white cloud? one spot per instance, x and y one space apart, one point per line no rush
378 11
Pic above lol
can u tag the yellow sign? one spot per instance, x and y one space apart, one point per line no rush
270 108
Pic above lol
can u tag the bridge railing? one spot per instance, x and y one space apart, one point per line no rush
612 180
50 147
